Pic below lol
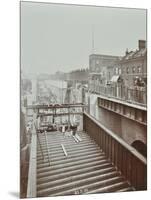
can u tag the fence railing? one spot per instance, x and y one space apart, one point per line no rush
128 161
121 92
32 173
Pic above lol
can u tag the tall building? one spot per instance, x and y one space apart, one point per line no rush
101 68
98 61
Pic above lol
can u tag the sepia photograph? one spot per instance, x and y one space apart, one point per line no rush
83 99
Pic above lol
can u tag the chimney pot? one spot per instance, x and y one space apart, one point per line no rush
141 44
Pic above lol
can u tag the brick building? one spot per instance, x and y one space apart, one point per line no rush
101 68
121 77
133 67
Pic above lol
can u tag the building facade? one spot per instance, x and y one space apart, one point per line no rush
97 62
101 68
133 67
121 77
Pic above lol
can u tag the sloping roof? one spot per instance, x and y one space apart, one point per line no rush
135 54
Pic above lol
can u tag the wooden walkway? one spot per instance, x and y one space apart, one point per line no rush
68 165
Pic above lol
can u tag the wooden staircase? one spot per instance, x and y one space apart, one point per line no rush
81 167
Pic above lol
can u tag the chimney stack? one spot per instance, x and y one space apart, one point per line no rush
141 44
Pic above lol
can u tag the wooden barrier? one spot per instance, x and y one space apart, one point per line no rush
131 164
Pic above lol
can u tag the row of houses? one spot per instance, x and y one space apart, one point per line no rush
128 72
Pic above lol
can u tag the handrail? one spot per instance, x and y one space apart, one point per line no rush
124 93
127 103
128 161
40 146
32 177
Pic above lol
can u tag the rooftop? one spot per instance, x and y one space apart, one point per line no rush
135 54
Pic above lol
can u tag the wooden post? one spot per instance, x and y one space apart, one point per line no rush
64 150
47 147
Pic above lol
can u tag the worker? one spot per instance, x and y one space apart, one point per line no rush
74 129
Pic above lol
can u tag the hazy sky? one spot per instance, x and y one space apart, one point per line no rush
59 37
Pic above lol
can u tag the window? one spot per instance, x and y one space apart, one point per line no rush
127 70
120 71
97 62
97 68
133 69
116 70
139 69
109 75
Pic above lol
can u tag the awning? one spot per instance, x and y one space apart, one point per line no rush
115 78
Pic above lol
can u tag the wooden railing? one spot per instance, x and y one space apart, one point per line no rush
138 96
131 164
32 173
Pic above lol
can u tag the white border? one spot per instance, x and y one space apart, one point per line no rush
9 98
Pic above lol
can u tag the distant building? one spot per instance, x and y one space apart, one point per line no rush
98 61
101 67
80 75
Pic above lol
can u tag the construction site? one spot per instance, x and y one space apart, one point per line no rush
67 151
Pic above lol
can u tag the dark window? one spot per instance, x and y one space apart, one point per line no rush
127 70
109 75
